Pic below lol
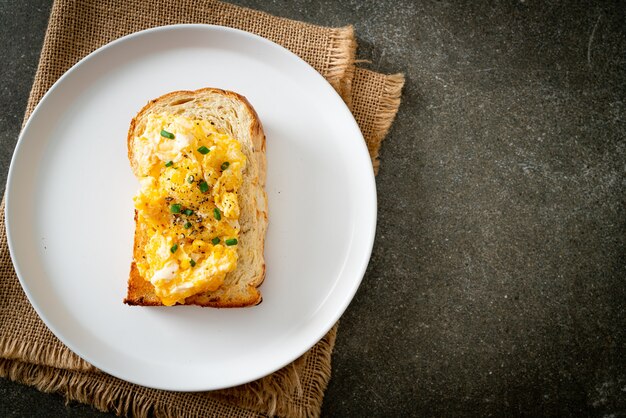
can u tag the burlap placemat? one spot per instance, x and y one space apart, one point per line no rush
31 354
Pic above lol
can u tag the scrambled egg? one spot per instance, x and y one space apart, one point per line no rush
189 174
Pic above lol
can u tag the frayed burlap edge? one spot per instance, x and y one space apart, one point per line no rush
34 351
341 62
38 88
102 396
258 396
385 115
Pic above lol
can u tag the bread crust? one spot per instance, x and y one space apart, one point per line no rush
235 114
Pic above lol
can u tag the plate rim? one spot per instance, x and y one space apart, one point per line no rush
340 308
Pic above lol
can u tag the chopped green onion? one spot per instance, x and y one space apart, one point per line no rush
175 208
193 263
225 165
203 150
232 241
190 179
188 225
215 241
204 186
217 214
174 248
166 134
188 212
169 163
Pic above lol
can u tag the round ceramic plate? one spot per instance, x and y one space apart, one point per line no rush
69 210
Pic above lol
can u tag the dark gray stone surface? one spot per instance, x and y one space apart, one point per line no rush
497 285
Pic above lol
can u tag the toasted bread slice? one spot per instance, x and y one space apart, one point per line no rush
234 115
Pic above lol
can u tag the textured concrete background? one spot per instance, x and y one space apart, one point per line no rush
497 282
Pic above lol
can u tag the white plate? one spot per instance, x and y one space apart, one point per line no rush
69 210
